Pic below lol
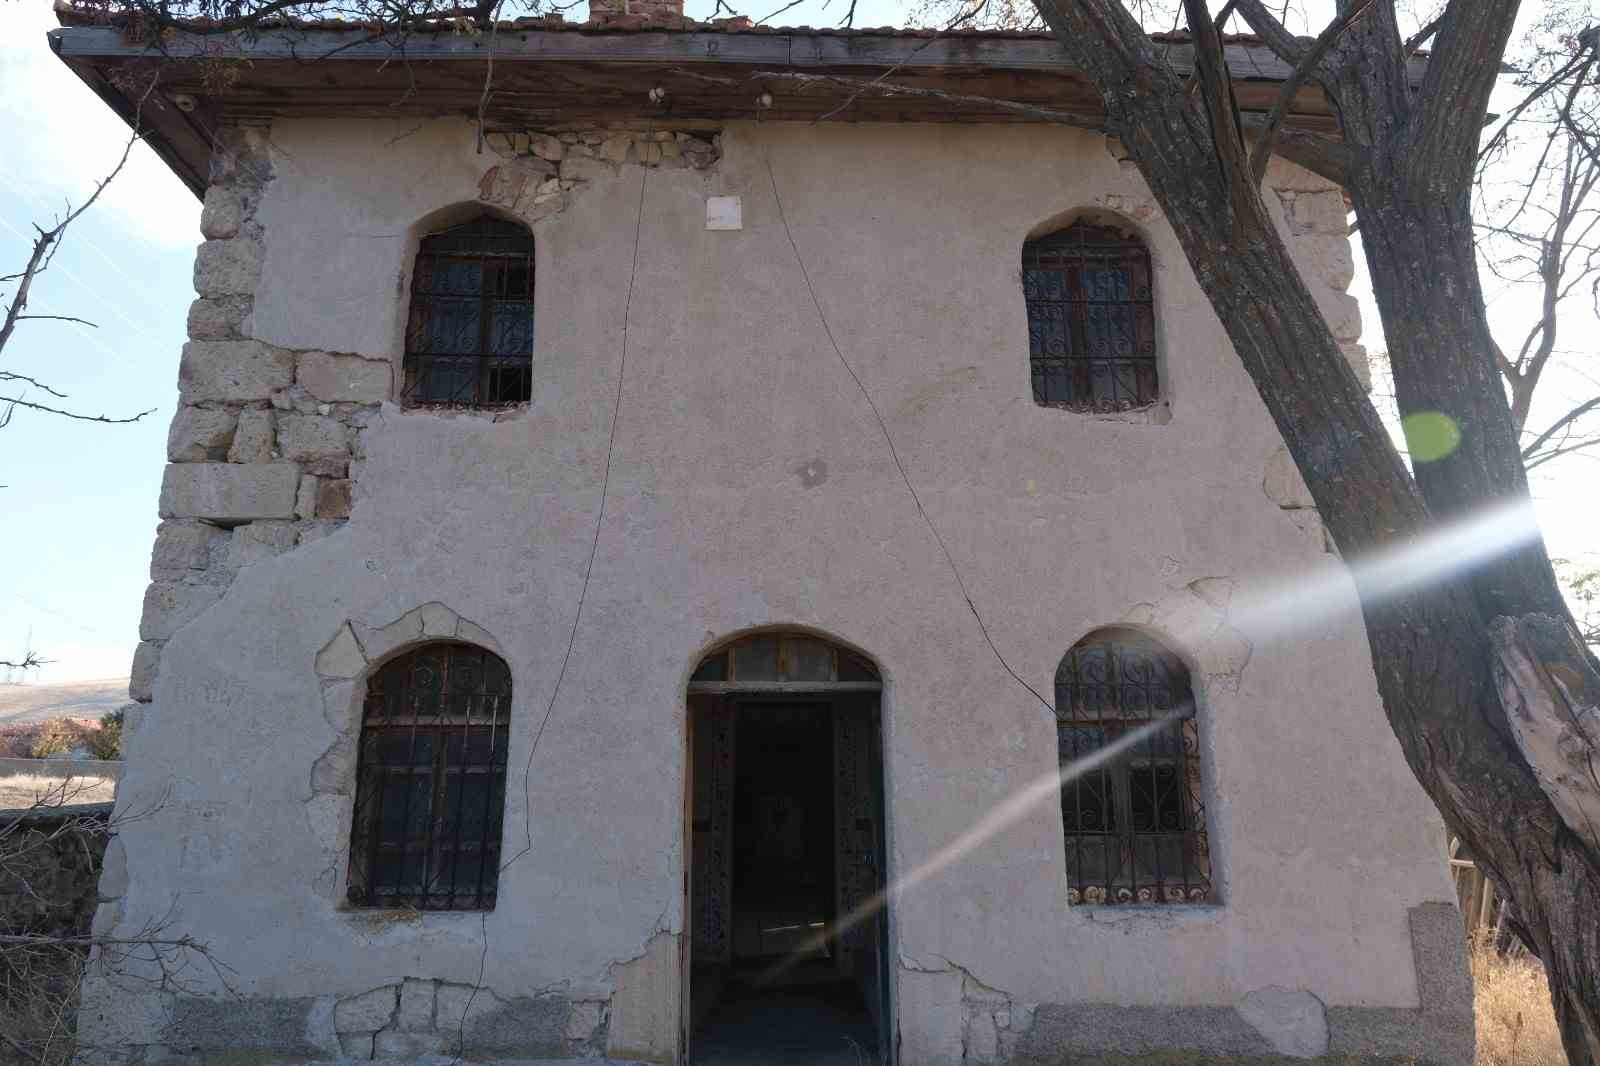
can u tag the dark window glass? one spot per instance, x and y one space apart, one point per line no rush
430 781
1135 824
1091 320
469 337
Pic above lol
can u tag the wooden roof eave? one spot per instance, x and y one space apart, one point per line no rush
321 71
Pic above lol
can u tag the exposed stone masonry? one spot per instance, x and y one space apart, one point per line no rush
261 445
424 1017
542 168
1314 212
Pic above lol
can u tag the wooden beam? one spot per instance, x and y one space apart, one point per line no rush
797 50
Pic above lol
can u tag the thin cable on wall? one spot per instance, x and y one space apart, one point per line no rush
577 616
883 427
594 543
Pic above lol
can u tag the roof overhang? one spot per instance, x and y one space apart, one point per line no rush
550 75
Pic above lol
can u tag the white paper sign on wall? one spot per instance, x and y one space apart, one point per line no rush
724 212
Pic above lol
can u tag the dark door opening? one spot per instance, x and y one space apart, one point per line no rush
783 888
787 949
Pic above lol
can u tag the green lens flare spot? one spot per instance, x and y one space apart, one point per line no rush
1430 435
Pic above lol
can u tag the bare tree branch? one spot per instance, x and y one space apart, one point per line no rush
1285 45
59 318
1418 39
1531 450
1306 68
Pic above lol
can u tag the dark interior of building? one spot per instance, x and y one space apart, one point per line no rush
782 998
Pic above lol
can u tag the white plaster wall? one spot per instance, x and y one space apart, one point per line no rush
1058 522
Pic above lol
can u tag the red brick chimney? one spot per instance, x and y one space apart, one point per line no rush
636 13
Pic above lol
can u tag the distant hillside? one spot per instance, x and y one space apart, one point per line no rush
64 699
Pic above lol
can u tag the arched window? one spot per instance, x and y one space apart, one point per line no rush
1135 824
1091 319
431 781
469 337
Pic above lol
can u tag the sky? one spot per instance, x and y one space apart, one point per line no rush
78 500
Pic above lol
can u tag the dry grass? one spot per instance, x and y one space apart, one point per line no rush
24 790
1516 1024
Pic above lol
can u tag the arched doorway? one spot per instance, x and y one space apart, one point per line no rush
788 931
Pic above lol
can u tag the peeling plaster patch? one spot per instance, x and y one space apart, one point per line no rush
932 998
540 170
587 1026
334 770
1217 591
645 1006
1283 485
433 619
1293 1021
338 700
973 1023
342 657
1140 207
1195 619
342 664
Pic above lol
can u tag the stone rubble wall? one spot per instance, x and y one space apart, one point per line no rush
50 867
260 448
542 169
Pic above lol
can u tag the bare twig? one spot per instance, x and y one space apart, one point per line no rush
60 318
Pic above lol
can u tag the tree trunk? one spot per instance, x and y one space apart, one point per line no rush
1446 679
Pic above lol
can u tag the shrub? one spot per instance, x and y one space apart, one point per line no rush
106 742
16 741
55 737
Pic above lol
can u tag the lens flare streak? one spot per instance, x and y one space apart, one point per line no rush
1281 610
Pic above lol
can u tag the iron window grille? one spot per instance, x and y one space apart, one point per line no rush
469 335
1091 320
1135 827
430 781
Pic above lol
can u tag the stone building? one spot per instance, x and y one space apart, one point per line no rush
639 545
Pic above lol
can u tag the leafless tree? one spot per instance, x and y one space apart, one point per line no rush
46 243
1539 225
1583 589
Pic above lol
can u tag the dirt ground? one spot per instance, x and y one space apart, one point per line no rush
24 790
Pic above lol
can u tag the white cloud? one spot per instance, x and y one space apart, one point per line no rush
57 138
